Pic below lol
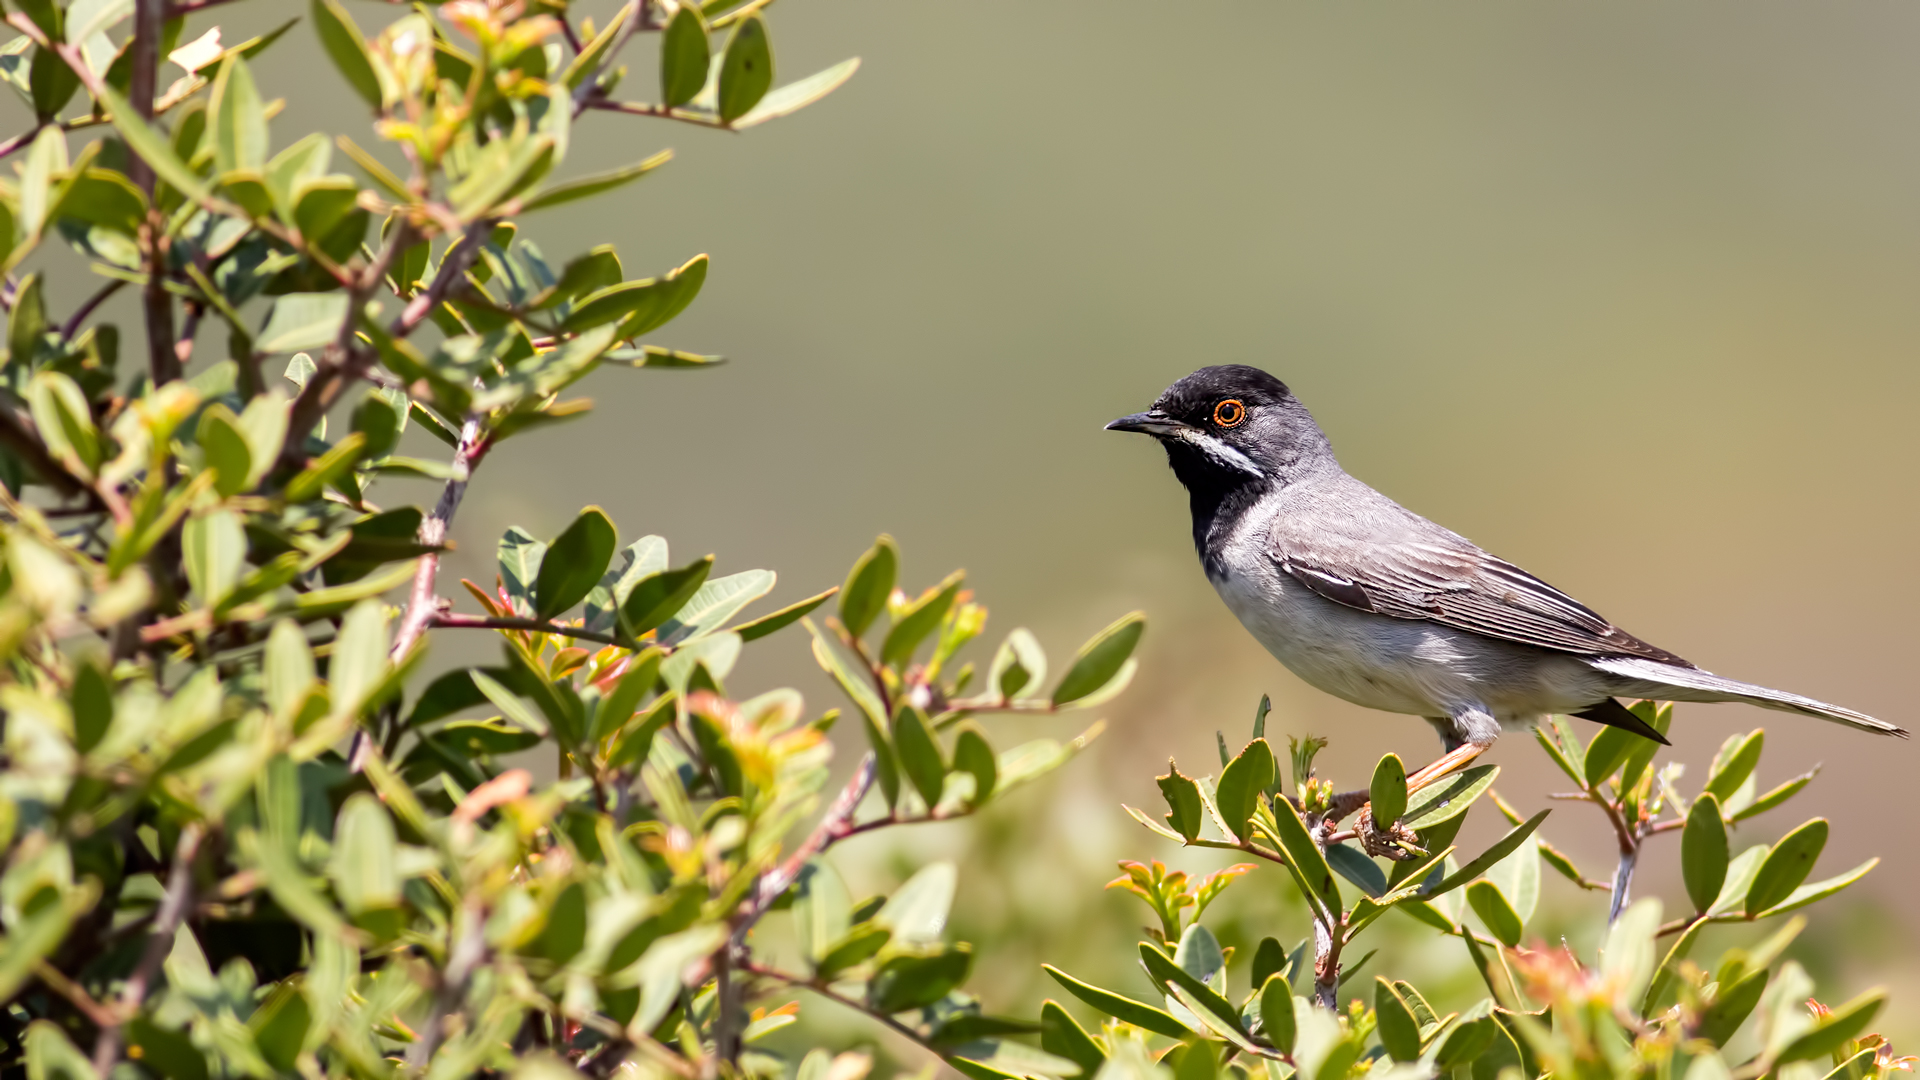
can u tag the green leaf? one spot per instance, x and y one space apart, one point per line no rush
1481 863
794 96
348 50
1183 801
917 910
1449 798
657 597
746 71
1820 890
1356 867
1241 784
239 121
520 557
150 145
1846 1023
640 306
279 1025
1399 1032
1627 959
972 754
1063 1036
1734 763
1122 1008
1556 739
1730 1008
1786 866
755 629
214 548
303 321
597 183
1309 866
716 601
60 411
1388 792
92 706
106 199
364 852
336 463
917 980
1491 905
1278 1021
684 57
1776 796
1164 971
855 947
869 583
1703 852
920 619
1018 664
920 756
226 448
359 663
633 744
573 563
1607 751
1102 660
1669 967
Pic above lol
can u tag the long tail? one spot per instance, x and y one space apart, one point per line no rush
1669 682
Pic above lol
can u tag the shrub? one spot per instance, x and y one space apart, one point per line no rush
239 839
1641 1008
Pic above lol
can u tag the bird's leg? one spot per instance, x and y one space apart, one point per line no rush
1390 839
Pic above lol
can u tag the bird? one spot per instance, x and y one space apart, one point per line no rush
1372 603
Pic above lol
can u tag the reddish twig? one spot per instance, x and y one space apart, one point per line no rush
454 620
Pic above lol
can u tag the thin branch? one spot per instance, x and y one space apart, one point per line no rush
661 112
79 317
346 360
831 995
454 620
464 957
179 897
76 995
188 7
836 825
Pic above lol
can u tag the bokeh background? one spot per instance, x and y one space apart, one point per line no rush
1625 292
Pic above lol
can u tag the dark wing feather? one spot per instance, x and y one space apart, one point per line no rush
1398 564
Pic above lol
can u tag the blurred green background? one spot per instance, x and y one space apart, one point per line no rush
1625 292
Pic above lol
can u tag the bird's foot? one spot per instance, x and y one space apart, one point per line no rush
1394 840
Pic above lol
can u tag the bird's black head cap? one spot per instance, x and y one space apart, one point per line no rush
1231 432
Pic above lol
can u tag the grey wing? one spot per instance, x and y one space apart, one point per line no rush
1413 569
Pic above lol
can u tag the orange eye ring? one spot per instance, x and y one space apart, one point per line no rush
1230 413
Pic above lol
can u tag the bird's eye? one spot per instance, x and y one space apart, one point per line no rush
1229 413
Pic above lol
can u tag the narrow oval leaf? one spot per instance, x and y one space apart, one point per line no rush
974 755
1277 1018
920 619
239 119
869 583
1388 792
1119 1007
1786 866
714 603
1491 905
920 755
214 547
1241 784
1734 764
364 853
795 96
1100 659
654 599
746 71
1449 798
684 57
1399 1032
1183 802
1703 852
573 563
348 50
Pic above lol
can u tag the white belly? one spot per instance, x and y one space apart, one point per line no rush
1402 665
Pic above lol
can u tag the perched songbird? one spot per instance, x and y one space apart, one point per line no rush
1375 604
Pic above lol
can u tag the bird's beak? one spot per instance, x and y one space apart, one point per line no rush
1152 422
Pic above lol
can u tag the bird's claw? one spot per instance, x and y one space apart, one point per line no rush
1395 841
